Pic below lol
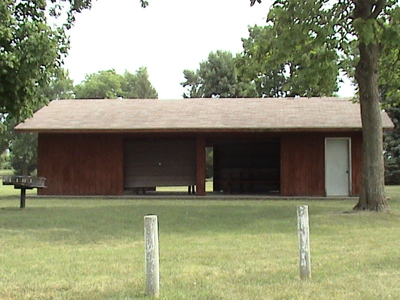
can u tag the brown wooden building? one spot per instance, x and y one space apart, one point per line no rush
286 146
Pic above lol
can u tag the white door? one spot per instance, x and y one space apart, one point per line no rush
337 166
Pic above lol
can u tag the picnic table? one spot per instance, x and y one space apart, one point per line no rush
23 183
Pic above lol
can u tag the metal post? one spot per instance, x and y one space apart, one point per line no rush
304 241
152 257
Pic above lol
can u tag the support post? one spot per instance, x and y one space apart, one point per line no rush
201 166
152 257
304 241
23 198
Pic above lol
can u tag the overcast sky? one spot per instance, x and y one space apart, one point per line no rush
166 37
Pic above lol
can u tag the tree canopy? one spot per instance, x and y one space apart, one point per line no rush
23 146
263 71
31 58
109 84
389 88
295 71
217 77
138 85
31 53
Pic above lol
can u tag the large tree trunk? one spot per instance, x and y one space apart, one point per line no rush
373 187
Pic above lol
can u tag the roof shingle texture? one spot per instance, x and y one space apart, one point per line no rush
268 114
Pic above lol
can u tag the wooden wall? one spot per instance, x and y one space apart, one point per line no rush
303 163
81 164
93 164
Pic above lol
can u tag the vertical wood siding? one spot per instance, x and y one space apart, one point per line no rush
302 165
81 164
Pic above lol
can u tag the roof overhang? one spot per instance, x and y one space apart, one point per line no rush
198 115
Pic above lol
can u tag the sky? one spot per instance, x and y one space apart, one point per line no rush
167 37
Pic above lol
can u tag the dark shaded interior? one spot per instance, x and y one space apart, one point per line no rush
247 167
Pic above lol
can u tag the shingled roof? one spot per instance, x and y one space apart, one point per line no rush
239 114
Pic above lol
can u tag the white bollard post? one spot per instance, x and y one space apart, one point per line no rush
304 241
152 257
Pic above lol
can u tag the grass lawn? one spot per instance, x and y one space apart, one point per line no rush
210 249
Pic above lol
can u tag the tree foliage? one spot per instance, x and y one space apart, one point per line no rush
389 88
216 77
111 85
23 146
138 85
31 52
31 57
23 155
61 87
269 81
295 71
100 85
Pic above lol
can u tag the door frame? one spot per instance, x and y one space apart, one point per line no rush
350 172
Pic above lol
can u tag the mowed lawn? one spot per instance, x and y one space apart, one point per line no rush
210 249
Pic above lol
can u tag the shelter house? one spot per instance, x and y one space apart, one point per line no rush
285 146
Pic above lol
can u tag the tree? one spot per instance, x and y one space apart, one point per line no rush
373 31
61 87
138 86
31 52
101 85
23 155
5 135
339 27
23 146
389 88
392 148
288 73
110 85
5 161
31 55
216 77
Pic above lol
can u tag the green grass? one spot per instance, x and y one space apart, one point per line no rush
210 249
